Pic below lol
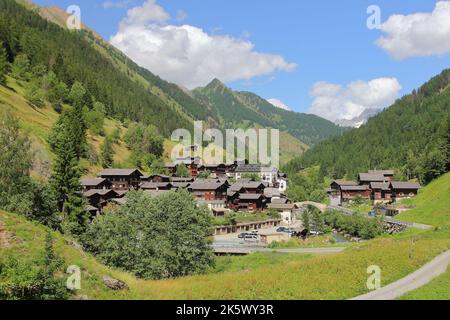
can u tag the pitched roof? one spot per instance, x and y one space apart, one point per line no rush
181 179
272 192
375 177
383 172
155 185
380 185
181 185
99 192
280 201
206 185
119 172
250 196
345 183
353 188
247 185
92 181
248 168
405 185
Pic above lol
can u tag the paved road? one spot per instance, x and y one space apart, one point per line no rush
413 281
248 250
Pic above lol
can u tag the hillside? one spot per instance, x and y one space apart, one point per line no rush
411 136
268 276
431 205
244 109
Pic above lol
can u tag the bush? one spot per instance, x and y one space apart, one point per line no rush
154 238
354 225
33 281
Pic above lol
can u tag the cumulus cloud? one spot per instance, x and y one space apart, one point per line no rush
279 104
187 55
419 34
335 102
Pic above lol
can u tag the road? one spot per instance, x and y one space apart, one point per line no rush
413 281
248 250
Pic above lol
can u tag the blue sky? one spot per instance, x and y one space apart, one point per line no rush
327 40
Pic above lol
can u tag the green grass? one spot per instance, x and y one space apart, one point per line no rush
255 261
437 289
251 277
431 205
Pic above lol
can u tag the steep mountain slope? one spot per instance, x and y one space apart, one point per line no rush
131 92
411 136
72 58
244 109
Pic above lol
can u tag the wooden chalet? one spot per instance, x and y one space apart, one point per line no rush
122 179
100 198
367 178
388 174
348 193
251 202
156 186
95 183
209 190
402 190
381 192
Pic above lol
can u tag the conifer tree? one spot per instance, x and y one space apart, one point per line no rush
107 153
3 64
66 175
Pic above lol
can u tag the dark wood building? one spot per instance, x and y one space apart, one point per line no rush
402 190
209 190
100 198
122 179
95 183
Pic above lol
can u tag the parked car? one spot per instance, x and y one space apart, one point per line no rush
251 238
314 233
242 235
281 229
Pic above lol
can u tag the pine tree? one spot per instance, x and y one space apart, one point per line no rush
107 153
66 175
21 67
3 64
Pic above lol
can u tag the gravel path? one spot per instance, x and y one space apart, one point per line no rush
413 281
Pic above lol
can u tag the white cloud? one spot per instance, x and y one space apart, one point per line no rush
334 102
419 34
279 104
187 55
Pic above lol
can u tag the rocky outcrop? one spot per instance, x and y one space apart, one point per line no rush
114 284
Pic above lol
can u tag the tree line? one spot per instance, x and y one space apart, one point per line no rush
412 137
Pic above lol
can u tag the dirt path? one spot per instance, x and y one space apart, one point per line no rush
413 281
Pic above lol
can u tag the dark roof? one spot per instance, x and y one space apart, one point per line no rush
383 172
247 185
353 188
405 185
182 185
369 177
250 196
345 183
92 181
181 179
248 168
155 185
119 172
280 201
99 192
272 192
379 185
206 185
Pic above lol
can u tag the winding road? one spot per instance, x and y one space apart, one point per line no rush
413 281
